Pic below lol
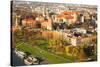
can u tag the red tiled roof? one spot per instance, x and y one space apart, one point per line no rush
69 13
65 16
69 17
42 20
14 29
31 20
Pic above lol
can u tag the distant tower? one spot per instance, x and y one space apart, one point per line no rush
47 13
50 19
44 11
16 21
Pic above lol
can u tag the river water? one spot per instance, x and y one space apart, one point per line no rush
16 61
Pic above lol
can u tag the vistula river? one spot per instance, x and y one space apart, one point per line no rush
16 61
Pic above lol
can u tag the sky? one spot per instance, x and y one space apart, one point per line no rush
90 2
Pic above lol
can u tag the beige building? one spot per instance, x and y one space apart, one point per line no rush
69 17
43 23
29 22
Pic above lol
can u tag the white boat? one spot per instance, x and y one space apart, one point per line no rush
30 61
19 54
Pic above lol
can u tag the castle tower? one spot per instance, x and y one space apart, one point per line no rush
16 21
44 11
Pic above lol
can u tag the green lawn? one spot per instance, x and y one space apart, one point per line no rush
37 51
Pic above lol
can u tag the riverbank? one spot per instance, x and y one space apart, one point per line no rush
16 61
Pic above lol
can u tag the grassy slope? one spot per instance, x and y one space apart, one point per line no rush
36 51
